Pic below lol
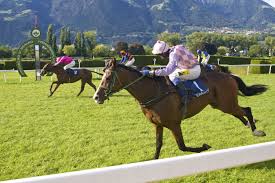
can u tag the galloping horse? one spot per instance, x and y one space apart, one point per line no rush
162 105
84 75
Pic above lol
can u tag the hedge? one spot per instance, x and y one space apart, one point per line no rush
143 60
261 69
30 65
229 60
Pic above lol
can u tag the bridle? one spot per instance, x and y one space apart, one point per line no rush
114 77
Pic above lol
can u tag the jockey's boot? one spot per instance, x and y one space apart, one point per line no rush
183 91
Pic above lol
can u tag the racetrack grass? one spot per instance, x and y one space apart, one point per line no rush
41 135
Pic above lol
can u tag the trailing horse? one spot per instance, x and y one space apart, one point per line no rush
162 105
84 75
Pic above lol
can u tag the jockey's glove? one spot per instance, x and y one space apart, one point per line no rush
147 73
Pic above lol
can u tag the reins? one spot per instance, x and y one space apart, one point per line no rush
149 102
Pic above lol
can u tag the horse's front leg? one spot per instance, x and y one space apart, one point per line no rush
52 92
159 137
54 82
176 130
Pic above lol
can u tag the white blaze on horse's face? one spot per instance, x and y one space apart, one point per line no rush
99 95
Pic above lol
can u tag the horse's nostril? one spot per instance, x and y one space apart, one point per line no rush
96 97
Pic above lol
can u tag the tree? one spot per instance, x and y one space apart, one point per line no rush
5 52
136 49
90 39
270 43
77 43
83 45
69 50
101 50
148 50
62 40
222 50
67 36
210 48
171 38
255 51
121 46
49 38
54 45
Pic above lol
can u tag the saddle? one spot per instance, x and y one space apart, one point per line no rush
72 72
192 88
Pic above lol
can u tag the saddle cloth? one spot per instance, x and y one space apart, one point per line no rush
72 72
194 88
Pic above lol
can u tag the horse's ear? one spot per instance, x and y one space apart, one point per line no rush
113 62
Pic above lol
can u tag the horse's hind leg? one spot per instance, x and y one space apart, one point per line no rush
246 111
178 136
159 137
251 120
82 87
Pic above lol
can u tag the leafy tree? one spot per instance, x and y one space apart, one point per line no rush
62 39
171 38
270 43
222 50
5 52
136 49
210 48
77 43
148 50
90 39
255 51
83 45
101 50
67 36
54 45
49 38
69 50
121 46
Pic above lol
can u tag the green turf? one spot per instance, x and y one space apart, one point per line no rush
41 135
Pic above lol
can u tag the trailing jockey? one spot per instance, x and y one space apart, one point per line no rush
126 58
68 63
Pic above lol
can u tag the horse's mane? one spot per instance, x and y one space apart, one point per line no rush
156 78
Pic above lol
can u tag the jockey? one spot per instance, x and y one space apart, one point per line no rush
127 59
182 64
203 57
66 60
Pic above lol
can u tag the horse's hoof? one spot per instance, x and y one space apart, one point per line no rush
206 146
259 133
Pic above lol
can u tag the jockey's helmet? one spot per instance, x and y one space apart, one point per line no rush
122 52
160 47
199 52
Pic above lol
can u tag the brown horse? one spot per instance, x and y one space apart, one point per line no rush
162 105
84 75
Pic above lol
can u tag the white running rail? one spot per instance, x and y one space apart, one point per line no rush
164 168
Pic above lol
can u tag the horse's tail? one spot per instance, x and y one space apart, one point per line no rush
97 73
249 90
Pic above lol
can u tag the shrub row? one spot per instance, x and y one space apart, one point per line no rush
229 60
30 65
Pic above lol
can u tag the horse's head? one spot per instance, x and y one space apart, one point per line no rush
47 68
110 82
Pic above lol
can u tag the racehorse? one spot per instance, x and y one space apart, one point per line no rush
84 75
162 105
